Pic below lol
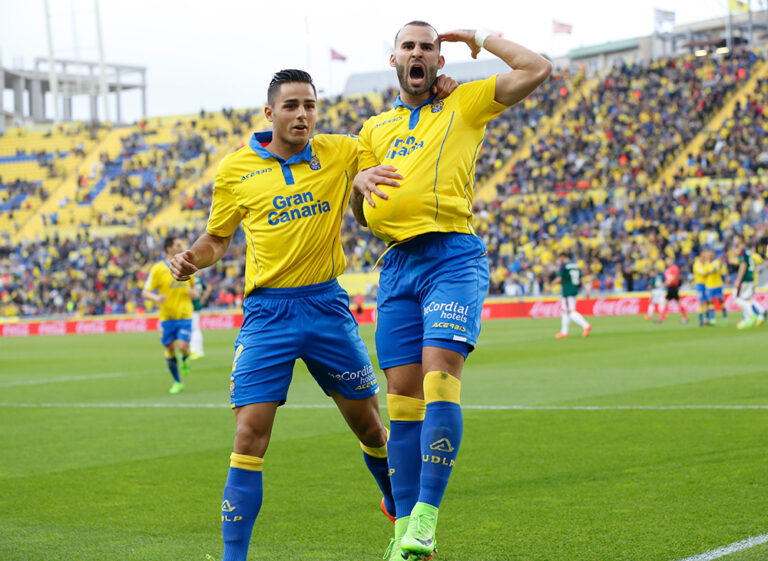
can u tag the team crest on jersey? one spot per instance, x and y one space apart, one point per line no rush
437 106
314 164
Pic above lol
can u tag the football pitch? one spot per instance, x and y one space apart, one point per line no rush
643 442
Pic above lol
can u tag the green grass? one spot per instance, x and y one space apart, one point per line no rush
544 482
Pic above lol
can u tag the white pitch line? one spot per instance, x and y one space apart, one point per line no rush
728 549
60 379
133 405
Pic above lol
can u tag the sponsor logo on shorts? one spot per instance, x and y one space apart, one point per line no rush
448 310
364 377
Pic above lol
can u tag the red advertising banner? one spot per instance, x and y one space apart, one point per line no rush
493 309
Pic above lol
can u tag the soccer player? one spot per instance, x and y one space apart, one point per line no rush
290 191
672 281
714 284
657 296
744 291
418 160
570 279
174 300
196 341
700 267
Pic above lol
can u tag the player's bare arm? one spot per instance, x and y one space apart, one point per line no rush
206 251
156 298
529 69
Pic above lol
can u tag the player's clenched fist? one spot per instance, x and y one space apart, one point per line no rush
181 266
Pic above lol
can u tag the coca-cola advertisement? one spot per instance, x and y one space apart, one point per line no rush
615 306
492 309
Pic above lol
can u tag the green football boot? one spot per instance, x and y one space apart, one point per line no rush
176 387
419 539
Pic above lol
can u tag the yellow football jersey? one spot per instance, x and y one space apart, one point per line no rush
699 272
715 272
434 147
178 303
291 210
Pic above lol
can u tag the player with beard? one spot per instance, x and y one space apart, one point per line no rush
418 160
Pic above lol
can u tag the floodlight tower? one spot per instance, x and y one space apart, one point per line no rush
52 71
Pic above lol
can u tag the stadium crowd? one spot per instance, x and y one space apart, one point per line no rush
588 187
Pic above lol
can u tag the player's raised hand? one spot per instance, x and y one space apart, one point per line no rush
444 86
462 36
181 265
367 182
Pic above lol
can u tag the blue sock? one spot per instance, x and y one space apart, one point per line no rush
241 504
440 436
701 319
173 366
379 468
406 416
725 313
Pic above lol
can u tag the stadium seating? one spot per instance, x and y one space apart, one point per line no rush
622 169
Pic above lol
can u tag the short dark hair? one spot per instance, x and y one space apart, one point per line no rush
285 77
422 24
169 241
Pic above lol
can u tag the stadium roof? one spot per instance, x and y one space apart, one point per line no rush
604 48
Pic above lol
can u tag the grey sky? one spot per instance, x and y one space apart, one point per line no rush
203 54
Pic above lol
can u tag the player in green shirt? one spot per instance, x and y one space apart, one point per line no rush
570 277
744 292
658 290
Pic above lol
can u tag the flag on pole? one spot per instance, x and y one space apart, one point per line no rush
738 6
664 19
560 27
336 55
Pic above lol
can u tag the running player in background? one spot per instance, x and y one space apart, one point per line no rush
700 267
435 274
570 278
657 296
752 312
714 284
196 342
174 300
672 281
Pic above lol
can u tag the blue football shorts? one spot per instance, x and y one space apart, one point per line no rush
701 292
312 323
715 293
174 329
431 293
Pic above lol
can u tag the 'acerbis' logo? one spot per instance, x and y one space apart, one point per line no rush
226 507
442 445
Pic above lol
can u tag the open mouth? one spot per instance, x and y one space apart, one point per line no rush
416 73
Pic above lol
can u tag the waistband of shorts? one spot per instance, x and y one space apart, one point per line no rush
431 237
294 291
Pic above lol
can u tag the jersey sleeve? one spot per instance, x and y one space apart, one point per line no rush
225 212
365 156
477 103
